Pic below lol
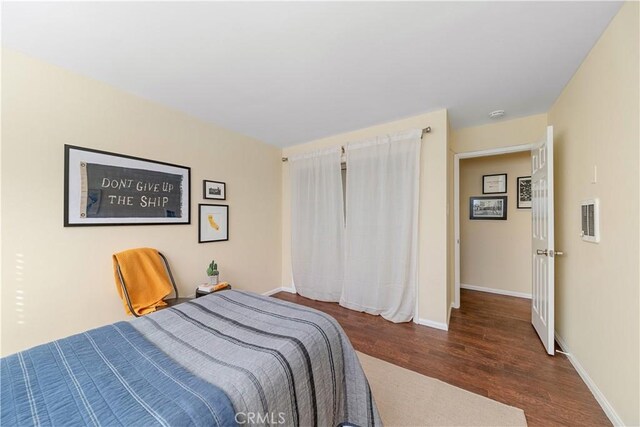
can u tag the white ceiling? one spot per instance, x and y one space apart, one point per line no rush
287 73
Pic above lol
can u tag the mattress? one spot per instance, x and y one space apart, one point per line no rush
229 358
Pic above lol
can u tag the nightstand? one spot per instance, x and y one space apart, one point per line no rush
200 293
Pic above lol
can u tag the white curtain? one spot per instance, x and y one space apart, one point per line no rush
382 225
317 225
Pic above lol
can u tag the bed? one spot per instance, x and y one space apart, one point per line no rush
230 358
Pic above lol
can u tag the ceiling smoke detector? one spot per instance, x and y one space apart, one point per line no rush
496 114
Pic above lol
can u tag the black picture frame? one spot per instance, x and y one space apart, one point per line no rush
207 231
209 189
524 192
79 204
480 208
488 182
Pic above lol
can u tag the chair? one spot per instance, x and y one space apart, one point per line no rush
165 275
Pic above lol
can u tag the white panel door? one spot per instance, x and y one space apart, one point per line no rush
543 253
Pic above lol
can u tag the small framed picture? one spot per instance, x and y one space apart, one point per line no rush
494 184
488 207
524 192
213 223
214 190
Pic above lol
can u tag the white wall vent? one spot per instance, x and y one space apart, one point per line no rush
590 213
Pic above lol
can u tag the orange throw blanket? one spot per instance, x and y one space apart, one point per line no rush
146 278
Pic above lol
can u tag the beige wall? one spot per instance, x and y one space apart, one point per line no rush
450 235
503 133
495 254
595 122
432 276
58 281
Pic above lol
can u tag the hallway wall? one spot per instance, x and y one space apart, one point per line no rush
494 254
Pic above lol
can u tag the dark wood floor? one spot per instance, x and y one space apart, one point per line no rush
490 349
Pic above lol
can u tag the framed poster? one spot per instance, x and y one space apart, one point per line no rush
103 188
524 192
494 184
214 190
213 223
488 207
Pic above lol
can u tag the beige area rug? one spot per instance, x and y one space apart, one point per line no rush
406 398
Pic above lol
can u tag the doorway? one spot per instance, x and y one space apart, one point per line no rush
483 243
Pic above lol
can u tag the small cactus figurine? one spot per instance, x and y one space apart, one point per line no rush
212 272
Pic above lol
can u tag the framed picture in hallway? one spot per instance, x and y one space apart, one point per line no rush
524 192
494 184
488 207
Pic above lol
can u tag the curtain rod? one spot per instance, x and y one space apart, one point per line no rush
425 130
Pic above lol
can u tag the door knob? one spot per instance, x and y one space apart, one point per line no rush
550 253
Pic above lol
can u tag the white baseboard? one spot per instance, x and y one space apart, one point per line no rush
424 322
495 291
432 324
271 292
276 290
602 400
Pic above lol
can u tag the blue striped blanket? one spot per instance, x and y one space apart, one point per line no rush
230 358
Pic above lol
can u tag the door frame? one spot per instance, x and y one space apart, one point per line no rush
456 202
